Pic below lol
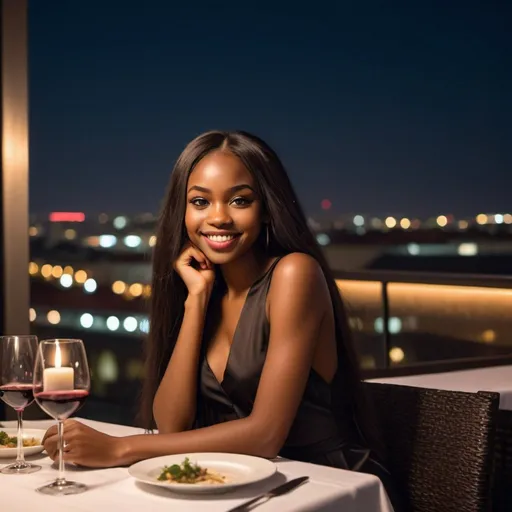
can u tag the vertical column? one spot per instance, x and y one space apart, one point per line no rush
14 185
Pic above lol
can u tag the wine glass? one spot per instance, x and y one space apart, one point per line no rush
17 355
61 385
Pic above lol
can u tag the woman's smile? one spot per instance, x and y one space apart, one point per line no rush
221 241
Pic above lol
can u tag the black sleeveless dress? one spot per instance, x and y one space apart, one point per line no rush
315 436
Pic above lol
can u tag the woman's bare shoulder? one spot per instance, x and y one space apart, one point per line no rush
298 274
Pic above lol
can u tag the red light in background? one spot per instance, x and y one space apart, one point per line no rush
326 204
67 217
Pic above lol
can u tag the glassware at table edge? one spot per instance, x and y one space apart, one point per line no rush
18 353
59 390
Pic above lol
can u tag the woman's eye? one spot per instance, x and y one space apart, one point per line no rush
241 201
199 202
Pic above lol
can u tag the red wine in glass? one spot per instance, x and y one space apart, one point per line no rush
17 356
61 385
18 396
61 404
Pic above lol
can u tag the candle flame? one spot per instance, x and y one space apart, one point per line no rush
58 357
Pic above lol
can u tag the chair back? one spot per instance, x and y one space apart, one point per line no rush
439 445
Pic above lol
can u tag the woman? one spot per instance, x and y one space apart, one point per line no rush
249 349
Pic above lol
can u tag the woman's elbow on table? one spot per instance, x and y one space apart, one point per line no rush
268 451
266 440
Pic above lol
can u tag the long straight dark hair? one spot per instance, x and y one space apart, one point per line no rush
288 233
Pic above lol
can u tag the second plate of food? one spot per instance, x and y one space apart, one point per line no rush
31 442
202 472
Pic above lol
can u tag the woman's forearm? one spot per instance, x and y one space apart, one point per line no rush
174 406
243 436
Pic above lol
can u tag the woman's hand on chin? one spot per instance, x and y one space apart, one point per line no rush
196 270
84 445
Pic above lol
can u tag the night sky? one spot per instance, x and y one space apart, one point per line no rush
404 109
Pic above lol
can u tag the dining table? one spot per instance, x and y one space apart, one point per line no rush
114 489
491 378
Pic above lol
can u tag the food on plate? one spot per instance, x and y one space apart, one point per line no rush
12 442
189 473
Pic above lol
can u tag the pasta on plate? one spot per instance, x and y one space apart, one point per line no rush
190 473
11 442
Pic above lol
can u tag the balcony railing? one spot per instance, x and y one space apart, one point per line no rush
414 320
401 322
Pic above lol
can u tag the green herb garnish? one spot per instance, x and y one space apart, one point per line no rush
5 440
184 473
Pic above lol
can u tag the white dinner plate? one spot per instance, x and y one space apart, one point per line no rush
239 470
10 453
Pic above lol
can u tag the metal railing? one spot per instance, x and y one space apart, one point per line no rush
493 284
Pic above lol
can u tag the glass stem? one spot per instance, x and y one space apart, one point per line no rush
20 456
60 432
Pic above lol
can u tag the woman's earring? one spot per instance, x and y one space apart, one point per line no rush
268 237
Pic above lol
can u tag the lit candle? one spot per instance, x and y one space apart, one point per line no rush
58 378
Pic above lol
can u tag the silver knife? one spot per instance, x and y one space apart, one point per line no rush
277 491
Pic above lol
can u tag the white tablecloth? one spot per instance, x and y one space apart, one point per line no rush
496 378
114 490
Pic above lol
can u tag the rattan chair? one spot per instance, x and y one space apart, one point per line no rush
439 445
